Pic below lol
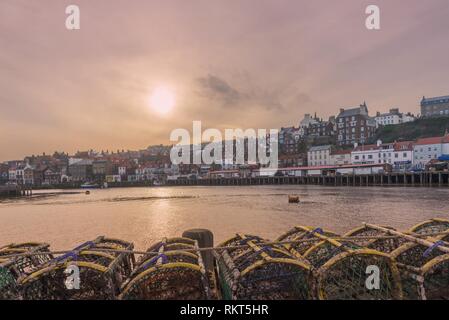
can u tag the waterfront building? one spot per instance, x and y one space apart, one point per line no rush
101 168
397 154
291 160
81 171
4 173
52 176
435 107
427 149
393 117
340 157
28 176
366 154
354 125
12 174
319 155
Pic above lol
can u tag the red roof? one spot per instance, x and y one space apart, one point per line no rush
341 152
432 140
367 147
403 145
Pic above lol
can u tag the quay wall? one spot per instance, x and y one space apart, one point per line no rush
424 179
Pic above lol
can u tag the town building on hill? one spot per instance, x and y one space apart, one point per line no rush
435 107
354 125
393 117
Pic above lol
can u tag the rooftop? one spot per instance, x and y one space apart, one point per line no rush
320 148
442 99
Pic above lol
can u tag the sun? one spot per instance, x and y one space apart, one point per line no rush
162 100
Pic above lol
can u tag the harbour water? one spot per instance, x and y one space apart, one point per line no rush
145 215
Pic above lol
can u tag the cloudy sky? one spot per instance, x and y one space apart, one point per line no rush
233 63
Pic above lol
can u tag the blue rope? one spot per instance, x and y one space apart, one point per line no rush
73 253
433 247
154 260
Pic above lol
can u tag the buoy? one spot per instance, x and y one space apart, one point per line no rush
293 199
87 192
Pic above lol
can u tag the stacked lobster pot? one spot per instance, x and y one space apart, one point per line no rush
93 270
31 256
250 269
340 267
171 269
423 262
299 239
374 238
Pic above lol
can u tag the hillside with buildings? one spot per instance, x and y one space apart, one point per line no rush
421 128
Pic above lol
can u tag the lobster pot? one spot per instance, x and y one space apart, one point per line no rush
11 269
299 233
424 271
172 269
343 272
259 272
435 225
385 245
101 273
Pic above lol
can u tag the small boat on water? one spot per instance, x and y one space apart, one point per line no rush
89 185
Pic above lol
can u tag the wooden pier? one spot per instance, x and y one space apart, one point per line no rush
15 191
416 179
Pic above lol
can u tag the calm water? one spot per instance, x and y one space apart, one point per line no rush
145 215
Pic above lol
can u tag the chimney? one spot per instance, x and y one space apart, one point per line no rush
342 110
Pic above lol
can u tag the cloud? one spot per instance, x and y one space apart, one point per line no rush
215 88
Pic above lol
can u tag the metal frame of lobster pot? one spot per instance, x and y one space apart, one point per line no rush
376 239
434 225
424 268
341 267
248 269
301 238
172 269
12 269
101 272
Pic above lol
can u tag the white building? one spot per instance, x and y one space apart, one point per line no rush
427 149
340 157
319 156
366 154
393 117
398 154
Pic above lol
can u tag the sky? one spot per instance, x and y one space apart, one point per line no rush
228 63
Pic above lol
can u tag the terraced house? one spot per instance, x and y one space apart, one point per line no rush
354 126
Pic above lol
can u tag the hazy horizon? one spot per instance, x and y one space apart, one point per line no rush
247 64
